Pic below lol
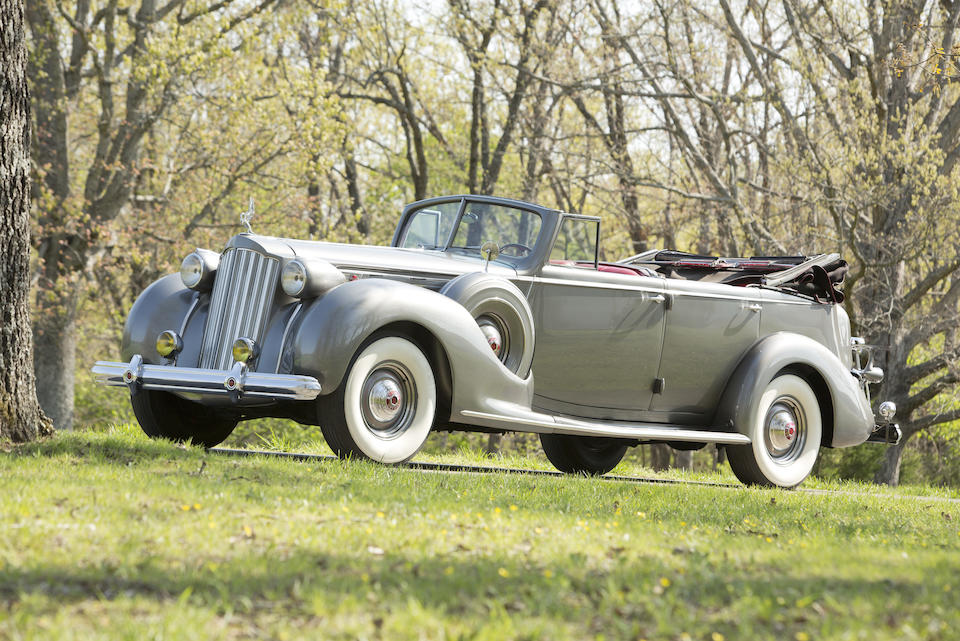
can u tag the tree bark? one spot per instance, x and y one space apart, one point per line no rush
55 342
889 471
21 418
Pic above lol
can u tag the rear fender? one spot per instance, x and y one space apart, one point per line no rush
851 418
335 325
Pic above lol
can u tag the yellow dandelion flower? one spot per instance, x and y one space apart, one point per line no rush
514 508
801 636
503 572
548 574
497 510
185 508
380 515
716 636
665 582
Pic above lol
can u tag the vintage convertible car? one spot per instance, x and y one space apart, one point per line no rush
490 314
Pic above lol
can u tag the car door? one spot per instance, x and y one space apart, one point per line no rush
598 337
709 326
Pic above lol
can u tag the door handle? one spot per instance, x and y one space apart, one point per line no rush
753 307
657 298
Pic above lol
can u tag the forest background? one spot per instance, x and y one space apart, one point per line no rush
743 128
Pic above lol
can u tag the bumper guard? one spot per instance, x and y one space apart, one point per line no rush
237 381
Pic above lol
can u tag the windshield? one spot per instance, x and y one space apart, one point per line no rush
514 230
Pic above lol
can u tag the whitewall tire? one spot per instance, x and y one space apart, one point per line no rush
786 430
385 407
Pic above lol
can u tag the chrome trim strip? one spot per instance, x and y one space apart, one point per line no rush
209 381
668 290
189 315
644 431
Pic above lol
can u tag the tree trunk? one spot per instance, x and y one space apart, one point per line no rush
889 472
660 457
55 342
21 418
683 459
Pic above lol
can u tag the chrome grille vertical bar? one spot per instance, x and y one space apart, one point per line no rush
240 303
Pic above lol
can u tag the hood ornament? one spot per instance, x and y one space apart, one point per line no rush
247 216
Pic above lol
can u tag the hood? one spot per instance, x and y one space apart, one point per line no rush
419 266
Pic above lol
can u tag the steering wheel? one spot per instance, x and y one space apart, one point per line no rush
526 250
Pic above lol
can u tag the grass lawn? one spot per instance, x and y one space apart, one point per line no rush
110 535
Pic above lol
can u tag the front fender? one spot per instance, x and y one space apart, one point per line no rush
335 326
163 305
852 418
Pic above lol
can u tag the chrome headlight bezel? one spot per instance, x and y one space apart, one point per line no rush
198 268
294 278
306 278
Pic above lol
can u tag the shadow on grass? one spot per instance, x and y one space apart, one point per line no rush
105 447
625 598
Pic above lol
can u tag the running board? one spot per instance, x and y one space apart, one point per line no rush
548 424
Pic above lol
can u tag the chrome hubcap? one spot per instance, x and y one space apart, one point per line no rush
388 399
784 431
495 332
385 400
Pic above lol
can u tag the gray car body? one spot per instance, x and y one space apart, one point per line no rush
631 356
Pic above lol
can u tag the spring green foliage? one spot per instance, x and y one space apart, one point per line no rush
734 128
113 536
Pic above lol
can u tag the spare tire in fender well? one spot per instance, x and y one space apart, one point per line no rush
498 301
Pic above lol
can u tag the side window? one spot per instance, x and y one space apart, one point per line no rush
576 241
430 227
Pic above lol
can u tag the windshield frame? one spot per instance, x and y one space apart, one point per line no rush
514 260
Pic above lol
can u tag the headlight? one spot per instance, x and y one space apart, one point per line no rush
197 269
169 343
305 278
293 278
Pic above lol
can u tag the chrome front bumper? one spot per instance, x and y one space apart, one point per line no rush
238 381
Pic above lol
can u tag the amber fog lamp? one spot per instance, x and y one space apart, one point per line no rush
169 343
198 268
244 350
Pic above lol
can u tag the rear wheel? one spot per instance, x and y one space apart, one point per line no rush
785 431
583 454
166 415
385 407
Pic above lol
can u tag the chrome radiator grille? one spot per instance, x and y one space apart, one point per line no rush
240 304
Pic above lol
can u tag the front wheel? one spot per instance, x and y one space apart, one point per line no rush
166 415
592 455
385 407
786 430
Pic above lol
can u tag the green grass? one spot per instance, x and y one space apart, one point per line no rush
109 535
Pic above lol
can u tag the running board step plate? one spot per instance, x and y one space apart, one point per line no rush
548 424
